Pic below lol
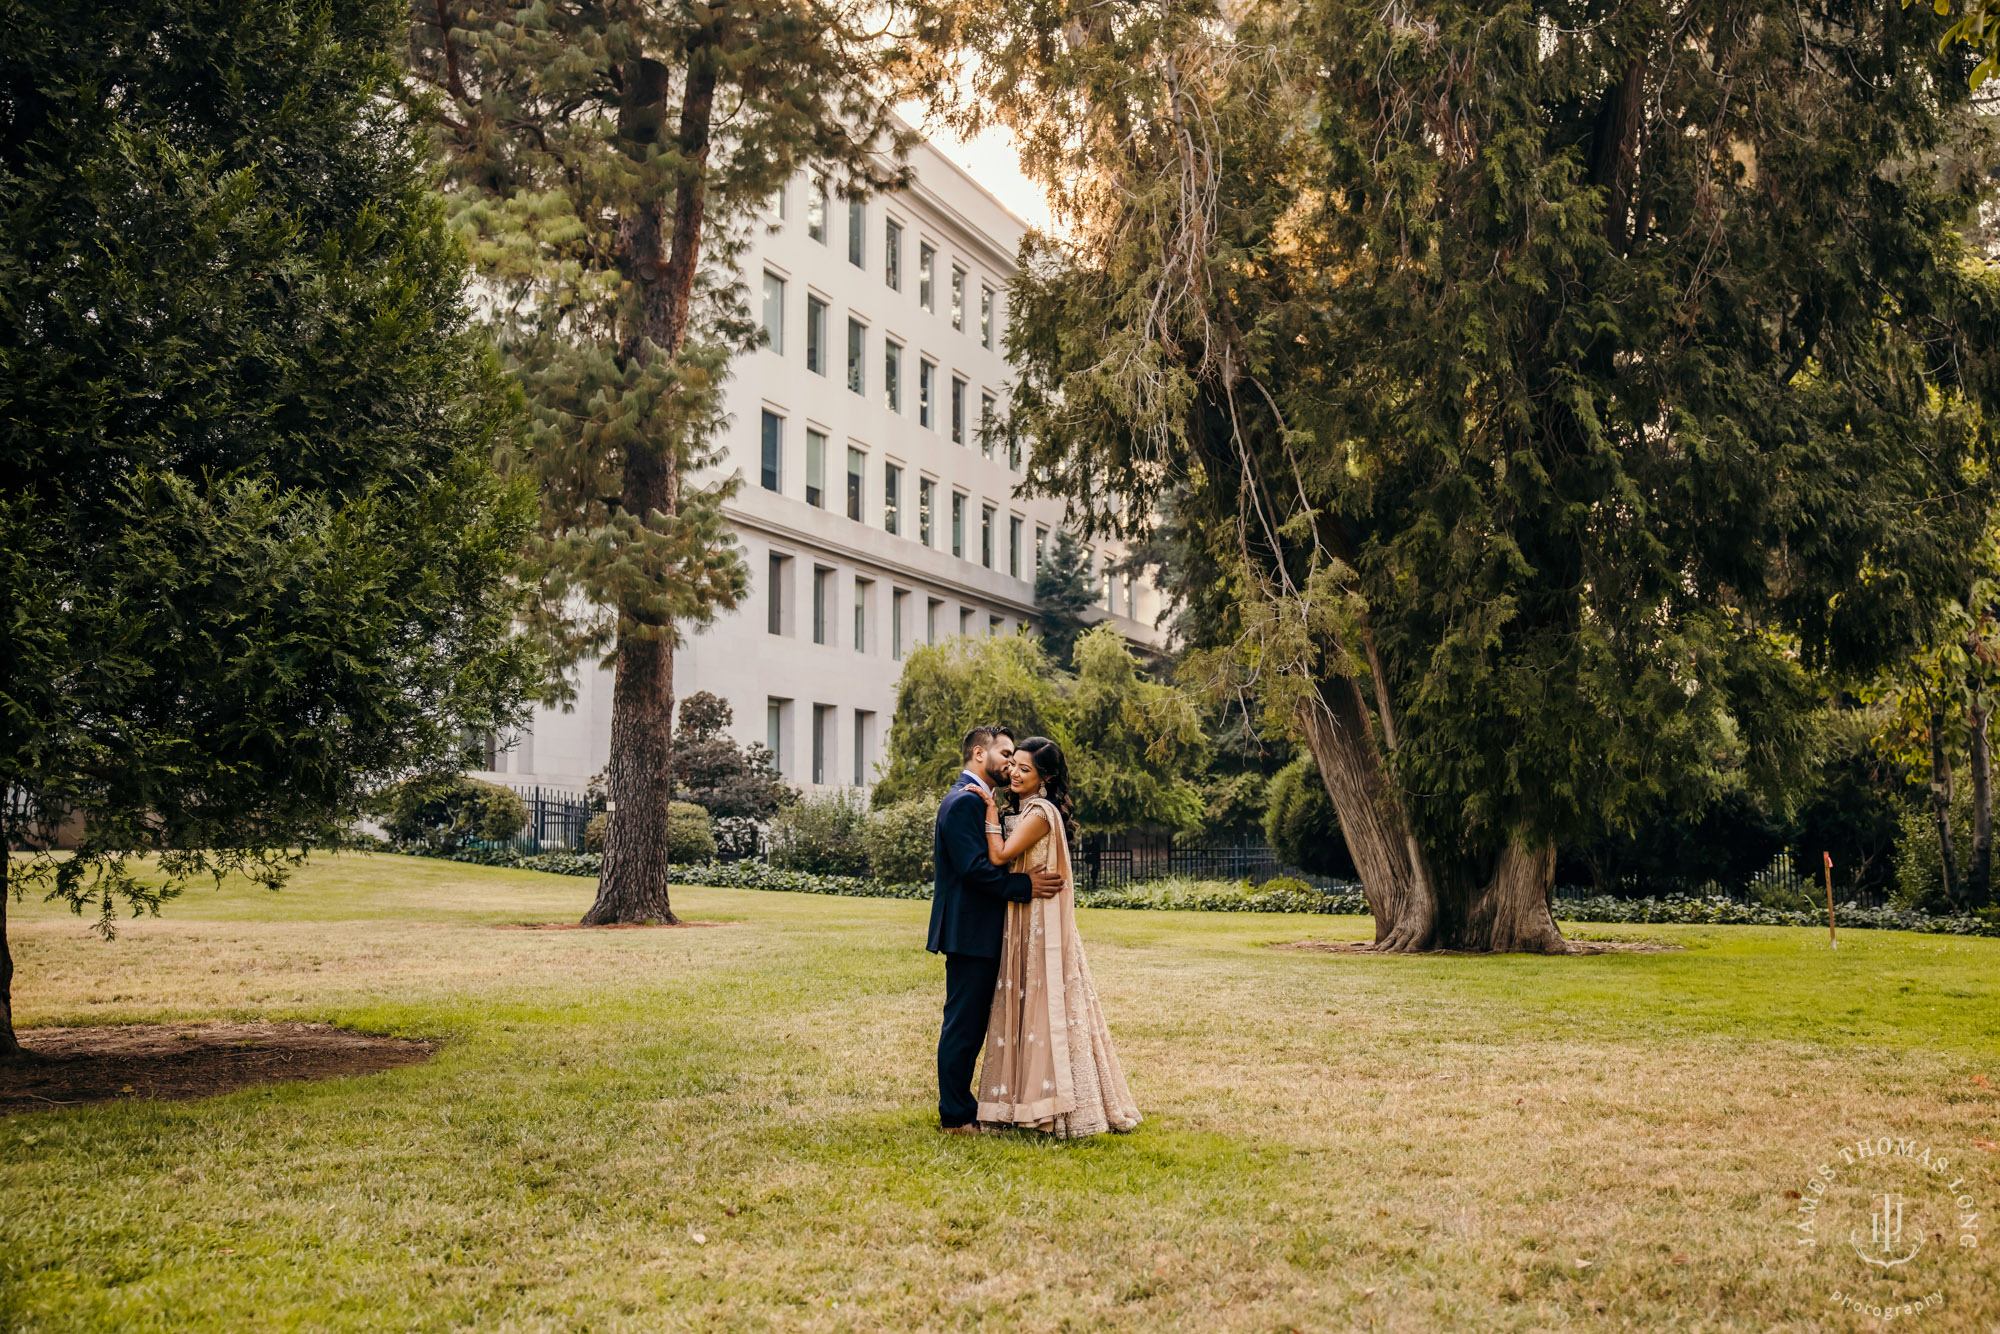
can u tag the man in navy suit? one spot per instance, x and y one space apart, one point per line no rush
969 917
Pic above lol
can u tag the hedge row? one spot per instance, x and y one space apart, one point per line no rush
1286 896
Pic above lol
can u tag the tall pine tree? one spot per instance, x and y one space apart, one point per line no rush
607 160
1552 386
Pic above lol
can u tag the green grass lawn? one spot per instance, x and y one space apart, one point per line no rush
734 1128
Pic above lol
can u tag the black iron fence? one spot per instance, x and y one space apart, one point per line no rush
1779 885
557 819
1115 868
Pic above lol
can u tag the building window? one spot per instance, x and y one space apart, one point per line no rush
822 590
985 316
958 298
1041 544
774 313
926 507
1013 453
892 255
926 271
774 594
864 725
856 332
1014 526
1109 605
862 588
927 394
816 210
857 232
857 464
775 710
815 468
986 536
892 498
892 375
816 335
1131 598
993 624
965 620
957 411
778 203
986 424
897 598
958 523
773 441
931 620
822 743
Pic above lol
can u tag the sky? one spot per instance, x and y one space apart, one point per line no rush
993 163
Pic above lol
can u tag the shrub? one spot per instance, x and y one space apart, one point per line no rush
448 813
690 837
822 834
1285 884
898 841
1300 824
1920 862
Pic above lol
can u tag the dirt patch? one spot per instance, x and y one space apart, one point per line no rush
608 926
67 1067
1575 947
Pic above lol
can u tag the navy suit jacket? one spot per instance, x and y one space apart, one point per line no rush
970 897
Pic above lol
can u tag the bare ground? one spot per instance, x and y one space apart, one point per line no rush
65 1067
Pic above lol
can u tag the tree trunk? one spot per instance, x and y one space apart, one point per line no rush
632 881
1393 875
1979 878
9 1045
1502 906
1941 807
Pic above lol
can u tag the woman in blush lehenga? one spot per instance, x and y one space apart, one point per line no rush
1048 1063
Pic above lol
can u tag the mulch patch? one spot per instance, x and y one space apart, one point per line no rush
608 926
67 1067
1575 947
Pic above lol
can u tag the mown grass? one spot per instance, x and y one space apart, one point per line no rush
731 1128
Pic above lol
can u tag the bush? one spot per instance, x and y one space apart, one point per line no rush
1919 860
689 835
899 841
445 814
1300 824
822 834
1284 894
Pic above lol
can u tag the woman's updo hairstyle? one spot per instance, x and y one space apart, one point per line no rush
1051 764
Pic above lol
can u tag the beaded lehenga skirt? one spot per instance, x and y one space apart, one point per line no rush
1049 1064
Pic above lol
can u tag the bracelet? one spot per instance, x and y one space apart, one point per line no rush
993 829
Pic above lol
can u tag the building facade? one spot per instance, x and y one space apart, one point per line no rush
878 509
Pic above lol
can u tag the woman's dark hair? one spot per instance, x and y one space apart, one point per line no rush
1054 770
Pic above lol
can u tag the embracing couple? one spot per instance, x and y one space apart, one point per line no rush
1004 916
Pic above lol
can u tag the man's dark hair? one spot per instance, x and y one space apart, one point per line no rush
982 735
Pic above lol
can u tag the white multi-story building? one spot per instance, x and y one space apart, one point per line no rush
876 514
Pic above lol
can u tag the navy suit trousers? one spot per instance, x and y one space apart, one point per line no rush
968 1001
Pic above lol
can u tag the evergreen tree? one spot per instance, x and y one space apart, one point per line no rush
254 560
711 770
1550 388
1062 595
607 160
